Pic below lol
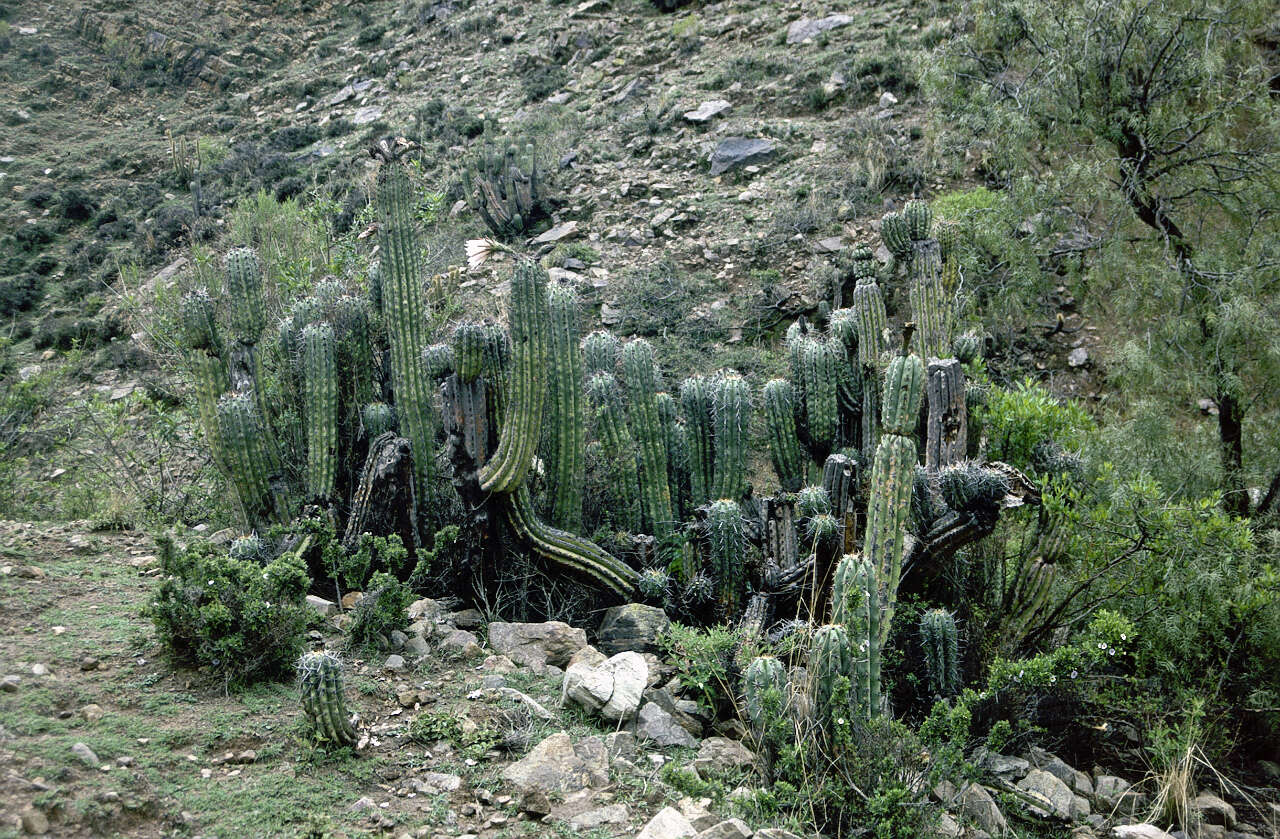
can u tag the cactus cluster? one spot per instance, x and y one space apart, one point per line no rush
941 648
505 188
320 683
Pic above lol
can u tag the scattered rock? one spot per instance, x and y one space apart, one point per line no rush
535 802
557 766
1114 795
529 702
10 683
659 726
632 627
1139 831
497 664
85 755
806 28
363 803
1078 781
324 608
612 687
620 744
351 598
1078 357
440 783
89 664
948 827
1214 810
394 663
34 822
467 618
92 712
416 646
977 804
537 645
680 710
608 814
425 609
668 824
367 114
775 833
559 233
697 813
727 829
733 152
888 100
718 754
459 643
707 110
1004 767
1054 797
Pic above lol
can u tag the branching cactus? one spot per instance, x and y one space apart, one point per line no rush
566 454
855 604
320 380
727 544
601 353
209 376
830 666
248 457
764 688
892 478
784 446
895 230
354 330
930 307
697 398
404 310
198 322
655 494
522 415
320 682
941 647
505 190
566 551
618 446
732 418
248 310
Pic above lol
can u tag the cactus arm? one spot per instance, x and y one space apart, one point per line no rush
655 493
732 416
619 447
321 384
697 401
567 454
784 446
571 553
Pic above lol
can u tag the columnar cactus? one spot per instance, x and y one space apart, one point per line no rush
565 412
655 493
601 352
378 418
929 305
468 344
404 310
919 219
568 552
197 322
248 456
784 446
941 649
438 361
522 416
320 682
353 327
903 387
727 544
820 363
868 306
209 376
320 380
248 310
813 501
697 398
764 689
618 446
895 230
507 195
855 604
732 419
830 661
677 444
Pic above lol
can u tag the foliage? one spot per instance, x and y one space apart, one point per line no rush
703 659
242 620
1017 420
382 610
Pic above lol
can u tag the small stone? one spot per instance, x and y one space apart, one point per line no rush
398 639
363 803
86 755
559 233
39 670
425 609
407 698
351 598
246 756
668 824
1214 810
34 822
608 814
888 100
1078 357
977 804
322 607
10 683
707 110
535 802
394 663
416 646
537 645
697 813
728 829
92 712
89 663
367 114
658 725
459 643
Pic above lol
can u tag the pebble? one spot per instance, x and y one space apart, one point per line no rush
86 755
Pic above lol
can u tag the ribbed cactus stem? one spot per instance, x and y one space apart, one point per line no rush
896 233
784 446
566 413
320 381
601 353
320 683
355 349
210 380
566 551
941 648
868 307
655 494
919 219
619 447
732 418
248 457
903 389
677 445
697 398
727 544
930 308
438 361
197 322
468 344
819 362
764 687
404 311
830 660
248 310
522 416
378 418
855 604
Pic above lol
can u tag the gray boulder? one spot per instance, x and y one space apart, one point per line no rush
658 725
634 626
733 152
668 824
1053 797
537 645
978 805
558 766
612 687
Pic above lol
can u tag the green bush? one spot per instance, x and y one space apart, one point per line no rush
1019 420
382 610
243 621
703 659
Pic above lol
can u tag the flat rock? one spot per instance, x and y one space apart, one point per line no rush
425 609
634 626
85 755
1214 810
612 687
537 645
670 823
707 110
733 152
1139 831
806 28
1054 797
608 814
1114 795
1078 357
558 766
394 663
718 754
775 833
658 725
727 829
367 114
565 230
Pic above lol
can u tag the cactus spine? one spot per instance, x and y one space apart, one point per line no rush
522 415
697 399
830 660
320 381
784 446
819 362
929 306
566 432
732 418
404 311
601 352
727 543
855 604
941 649
378 418
619 448
655 493
320 682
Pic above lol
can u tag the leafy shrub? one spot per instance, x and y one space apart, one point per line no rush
1019 420
20 293
243 621
703 659
382 610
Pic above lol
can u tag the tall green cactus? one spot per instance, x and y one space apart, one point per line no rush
919 219
697 398
522 415
565 412
820 363
896 233
468 344
354 329
248 456
929 305
941 647
655 494
868 307
248 310
404 310
784 446
567 551
618 446
855 604
830 661
320 683
198 322
601 353
209 376
764 691
320 380
903 388
438 361
677 445
378 418
727 545
732 422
